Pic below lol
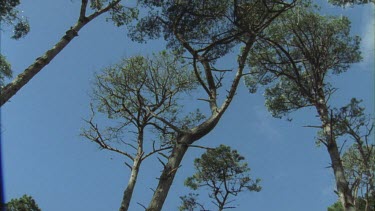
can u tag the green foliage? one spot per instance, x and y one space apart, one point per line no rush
360 205
301 49
345 3
190 202
10 16
359 171
140 92
122 15
21 29
284 97
119 14
350 119
8 11
97 4
336 207
224 172
5 69
139 81
214 27
25 203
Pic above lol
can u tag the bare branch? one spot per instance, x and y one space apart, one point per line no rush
175 128
82 14
142 205
155 151
128 165
105 9
162 163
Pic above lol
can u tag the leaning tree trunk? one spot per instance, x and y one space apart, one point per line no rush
7 92
131 184
174 160
168 174
342 185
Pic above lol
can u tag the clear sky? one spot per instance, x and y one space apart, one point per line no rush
44 156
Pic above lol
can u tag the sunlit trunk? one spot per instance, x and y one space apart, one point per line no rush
128 193
131 184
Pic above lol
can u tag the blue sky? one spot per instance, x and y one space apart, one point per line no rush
44 156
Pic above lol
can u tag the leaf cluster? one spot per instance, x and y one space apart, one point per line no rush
25 203
5 69
119 14
360 205
10 15
345 3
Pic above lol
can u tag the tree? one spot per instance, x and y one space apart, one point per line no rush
205 31
25 203
295 62
224 172
118 13
131 94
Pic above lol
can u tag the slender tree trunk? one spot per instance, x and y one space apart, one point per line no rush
128 193
342 184
12 88
131 184
168 174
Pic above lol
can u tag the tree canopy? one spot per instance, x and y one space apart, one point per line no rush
224 173
25 203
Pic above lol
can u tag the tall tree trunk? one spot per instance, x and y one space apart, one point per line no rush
131 184
342 184
168 174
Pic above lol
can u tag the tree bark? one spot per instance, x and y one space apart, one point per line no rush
128 193
131 184
176 156
342 184
168 174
